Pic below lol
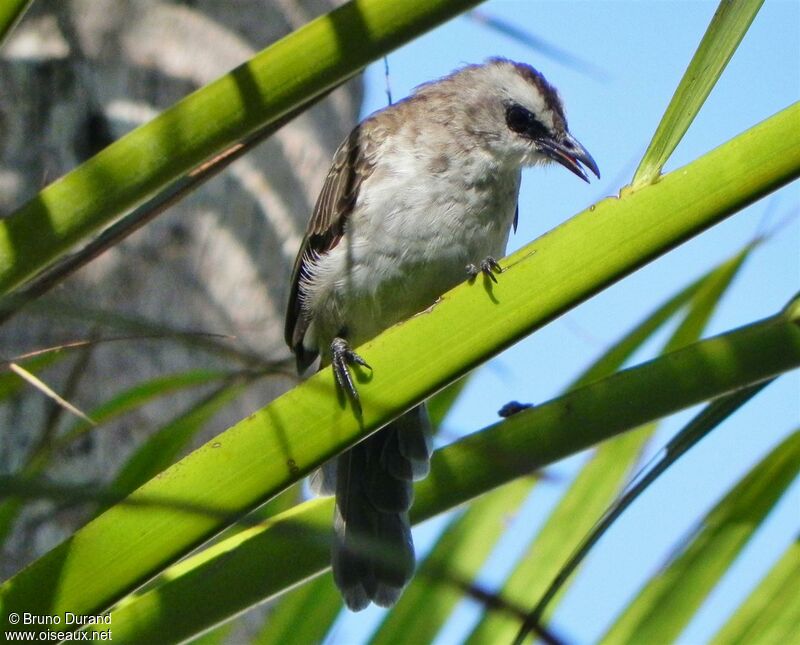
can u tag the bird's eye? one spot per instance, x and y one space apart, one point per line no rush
517 118
522 121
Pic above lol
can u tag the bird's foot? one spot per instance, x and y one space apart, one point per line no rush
488 267
342 357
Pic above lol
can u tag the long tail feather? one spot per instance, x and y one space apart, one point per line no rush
373 553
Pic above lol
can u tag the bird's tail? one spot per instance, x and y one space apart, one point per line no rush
373 553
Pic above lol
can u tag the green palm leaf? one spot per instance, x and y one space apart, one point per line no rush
772 612
666 604
294 546
729 25
232 473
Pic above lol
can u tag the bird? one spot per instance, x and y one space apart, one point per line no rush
420 196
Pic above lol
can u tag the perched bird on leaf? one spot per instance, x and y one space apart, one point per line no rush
420 196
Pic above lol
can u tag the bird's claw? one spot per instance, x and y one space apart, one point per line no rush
488 267
342 357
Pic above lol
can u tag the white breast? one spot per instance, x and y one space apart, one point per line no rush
409 239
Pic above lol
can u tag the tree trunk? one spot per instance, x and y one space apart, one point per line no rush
74 76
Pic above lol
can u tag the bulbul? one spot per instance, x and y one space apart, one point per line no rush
421 195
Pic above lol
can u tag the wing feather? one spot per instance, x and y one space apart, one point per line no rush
336 201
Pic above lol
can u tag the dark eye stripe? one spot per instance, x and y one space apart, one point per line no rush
522 121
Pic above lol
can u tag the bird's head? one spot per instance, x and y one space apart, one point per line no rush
519 116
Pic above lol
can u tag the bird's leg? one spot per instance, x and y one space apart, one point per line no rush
488 267
341 357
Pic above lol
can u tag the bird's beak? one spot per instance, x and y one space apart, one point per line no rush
571 154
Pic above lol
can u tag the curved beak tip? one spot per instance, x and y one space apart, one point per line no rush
579 156
571 154
590 163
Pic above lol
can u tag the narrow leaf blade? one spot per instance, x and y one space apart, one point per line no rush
162 448
264 561
11 12
771 614
604 475
669 600
302 615
724 33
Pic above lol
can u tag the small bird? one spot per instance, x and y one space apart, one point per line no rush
420 196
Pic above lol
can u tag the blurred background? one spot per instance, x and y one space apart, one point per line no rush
73 77
78 74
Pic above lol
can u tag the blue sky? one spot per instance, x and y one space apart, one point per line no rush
643 49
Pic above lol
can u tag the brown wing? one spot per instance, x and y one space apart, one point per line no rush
335 203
